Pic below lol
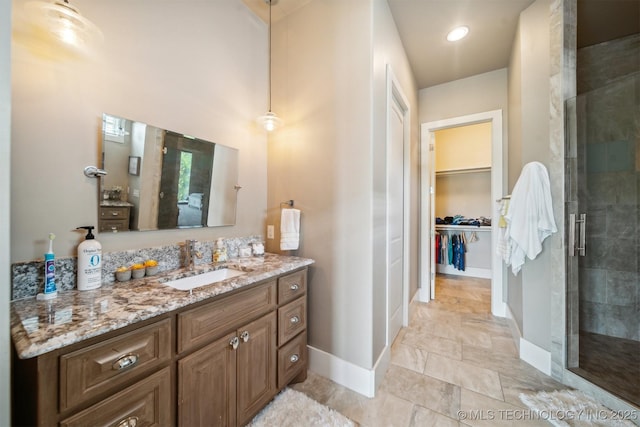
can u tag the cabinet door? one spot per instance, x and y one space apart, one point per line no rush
207 385
256 355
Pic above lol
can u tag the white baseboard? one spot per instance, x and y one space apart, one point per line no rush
423 294
513 326
483 273
354 377
535 356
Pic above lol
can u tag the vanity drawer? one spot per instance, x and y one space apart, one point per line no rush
292 286
146 403
113 212
88 372
292 319
210 321
292 359
113 225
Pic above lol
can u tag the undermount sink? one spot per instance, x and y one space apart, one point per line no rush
192 282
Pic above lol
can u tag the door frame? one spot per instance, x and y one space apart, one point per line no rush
396 95
427 177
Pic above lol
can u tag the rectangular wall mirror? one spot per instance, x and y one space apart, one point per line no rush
158 179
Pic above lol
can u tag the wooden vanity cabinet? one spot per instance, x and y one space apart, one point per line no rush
292 328
217 363
113 218
119 379
228 381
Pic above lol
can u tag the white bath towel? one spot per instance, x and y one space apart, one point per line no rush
289 229
530 217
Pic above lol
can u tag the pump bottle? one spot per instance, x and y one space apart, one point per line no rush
89 262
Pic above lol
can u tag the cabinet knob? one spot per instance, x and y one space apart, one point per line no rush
245 336
294 287
294 320
125 361
128 422
294 358
234 343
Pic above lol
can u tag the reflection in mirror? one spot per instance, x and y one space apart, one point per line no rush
158 179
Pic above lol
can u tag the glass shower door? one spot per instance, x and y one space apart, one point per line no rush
603 245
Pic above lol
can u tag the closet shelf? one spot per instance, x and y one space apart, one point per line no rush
463 171
463 227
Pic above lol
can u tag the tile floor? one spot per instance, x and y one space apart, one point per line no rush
454 360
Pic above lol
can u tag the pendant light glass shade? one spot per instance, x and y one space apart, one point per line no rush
65 23
270 121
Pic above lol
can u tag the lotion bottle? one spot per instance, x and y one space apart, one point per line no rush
89 262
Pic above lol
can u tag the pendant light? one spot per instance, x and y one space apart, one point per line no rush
65 23
270 121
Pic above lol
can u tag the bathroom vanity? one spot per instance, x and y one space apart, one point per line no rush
114 216
142 353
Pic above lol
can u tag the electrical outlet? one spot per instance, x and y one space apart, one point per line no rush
270 232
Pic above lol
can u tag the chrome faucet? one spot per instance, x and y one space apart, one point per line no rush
190 252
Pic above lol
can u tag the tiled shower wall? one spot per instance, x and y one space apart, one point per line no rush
608 128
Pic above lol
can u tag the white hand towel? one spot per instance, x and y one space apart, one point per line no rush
530 217
289 229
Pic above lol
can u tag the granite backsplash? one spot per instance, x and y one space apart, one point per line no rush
27 278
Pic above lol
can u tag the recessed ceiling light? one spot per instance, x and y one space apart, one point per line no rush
457 33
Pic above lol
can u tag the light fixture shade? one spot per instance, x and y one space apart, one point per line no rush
270 121
64 22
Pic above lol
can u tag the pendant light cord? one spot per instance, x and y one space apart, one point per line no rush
270 55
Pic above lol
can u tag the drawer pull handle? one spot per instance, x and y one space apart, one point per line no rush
115 213
294 287
125 361
245 336
294 320
294 358
234 343
128 422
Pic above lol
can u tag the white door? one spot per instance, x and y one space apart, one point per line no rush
395 218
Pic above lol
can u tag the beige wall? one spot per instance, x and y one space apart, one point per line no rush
476 94
529 86
329 56
198 70
463 147
388 49
5 178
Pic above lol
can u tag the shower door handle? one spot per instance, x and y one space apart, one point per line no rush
582 230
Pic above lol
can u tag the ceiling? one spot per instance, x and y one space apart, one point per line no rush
423 25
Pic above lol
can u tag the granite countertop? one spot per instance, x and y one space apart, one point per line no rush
114 203
38 327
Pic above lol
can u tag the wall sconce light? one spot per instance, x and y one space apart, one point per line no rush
270 121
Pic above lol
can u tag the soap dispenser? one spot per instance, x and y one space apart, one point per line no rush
220 251
89 262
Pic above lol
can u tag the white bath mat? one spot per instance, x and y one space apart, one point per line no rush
291 408
572 408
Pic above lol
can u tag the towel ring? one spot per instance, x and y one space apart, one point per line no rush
288 203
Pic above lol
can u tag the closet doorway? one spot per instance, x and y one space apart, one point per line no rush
490 173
